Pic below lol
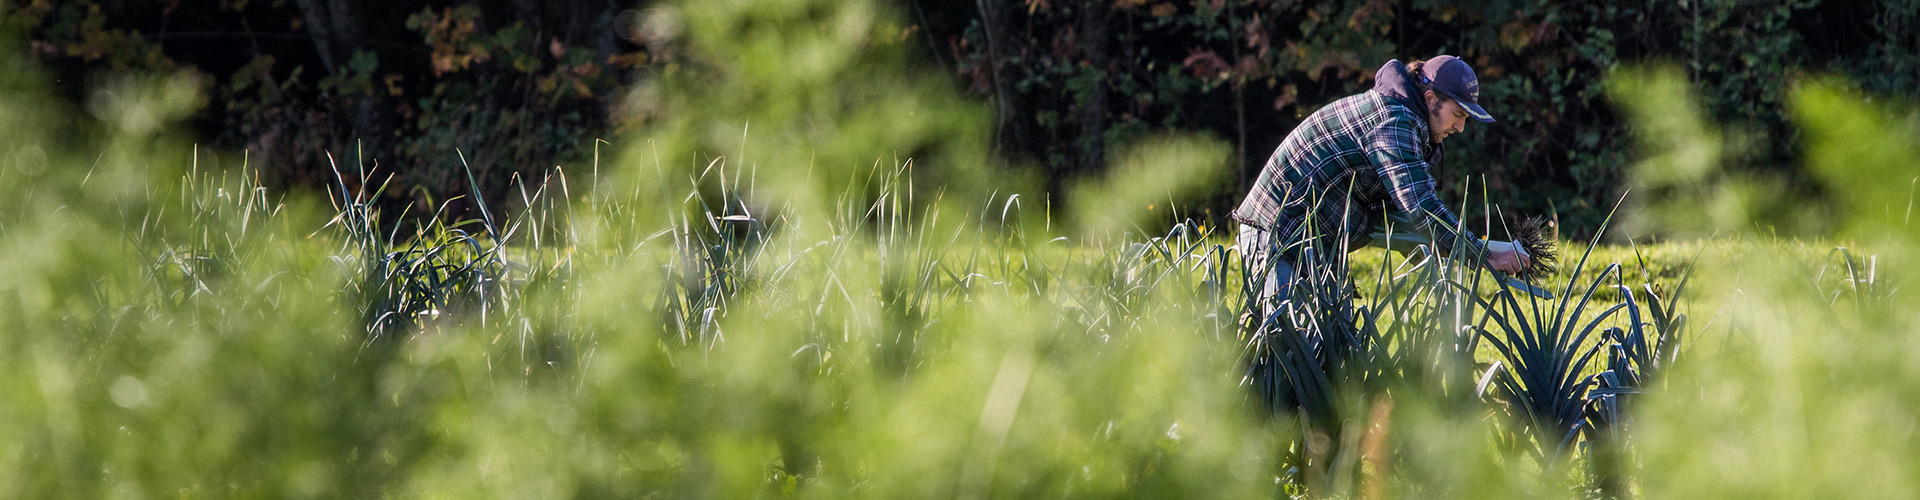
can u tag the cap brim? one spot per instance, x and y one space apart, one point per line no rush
1475 111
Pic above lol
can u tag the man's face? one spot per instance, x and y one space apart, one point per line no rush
1444 117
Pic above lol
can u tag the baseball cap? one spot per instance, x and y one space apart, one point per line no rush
1452 77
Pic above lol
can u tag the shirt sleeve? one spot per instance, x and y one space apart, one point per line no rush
1393 149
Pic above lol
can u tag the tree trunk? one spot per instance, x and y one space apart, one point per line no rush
320 23
338 34
1093 112
1009 134
1239 110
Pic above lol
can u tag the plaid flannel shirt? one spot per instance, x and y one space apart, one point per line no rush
1341 170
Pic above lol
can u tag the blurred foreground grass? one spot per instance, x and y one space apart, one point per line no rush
803 281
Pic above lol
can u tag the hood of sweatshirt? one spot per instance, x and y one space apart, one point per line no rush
1394 82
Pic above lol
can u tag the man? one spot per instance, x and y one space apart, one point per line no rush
1355 163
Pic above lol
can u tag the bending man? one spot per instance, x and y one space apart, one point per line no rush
1355 162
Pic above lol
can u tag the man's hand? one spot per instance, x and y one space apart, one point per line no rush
1507 256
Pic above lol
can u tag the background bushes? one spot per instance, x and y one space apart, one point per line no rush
521 86
1076 78
517 86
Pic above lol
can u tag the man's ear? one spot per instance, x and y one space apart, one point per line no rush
1432 98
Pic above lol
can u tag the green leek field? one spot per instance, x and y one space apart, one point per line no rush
802 279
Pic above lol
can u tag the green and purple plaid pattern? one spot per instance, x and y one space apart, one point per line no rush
1342 169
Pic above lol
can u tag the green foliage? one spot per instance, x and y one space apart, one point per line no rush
124 375
1545 347
1773 400
1160 173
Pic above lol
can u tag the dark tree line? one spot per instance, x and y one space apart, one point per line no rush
521 85
516 86
1074 78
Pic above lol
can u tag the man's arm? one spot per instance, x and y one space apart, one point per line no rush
1393 149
